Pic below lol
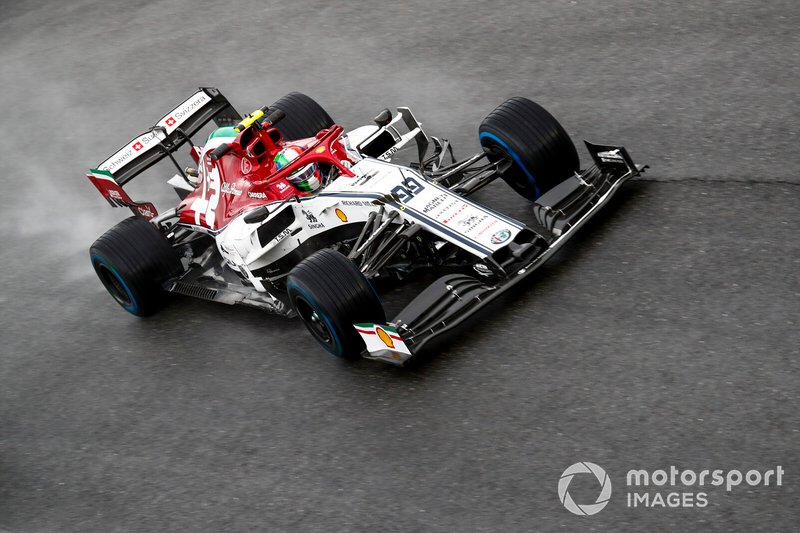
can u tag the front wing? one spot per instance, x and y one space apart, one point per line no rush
451 299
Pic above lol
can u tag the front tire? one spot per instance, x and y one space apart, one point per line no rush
330 294
541 152
133 259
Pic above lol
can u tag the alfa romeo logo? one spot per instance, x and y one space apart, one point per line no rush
589 508
500 236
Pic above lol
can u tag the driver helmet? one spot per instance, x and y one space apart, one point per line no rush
306 178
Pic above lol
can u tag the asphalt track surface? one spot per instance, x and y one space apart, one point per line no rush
666 333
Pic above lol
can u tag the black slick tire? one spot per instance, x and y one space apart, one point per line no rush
133 259
330 294
542 153
304 116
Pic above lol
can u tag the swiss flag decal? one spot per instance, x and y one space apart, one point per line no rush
170 121
137 146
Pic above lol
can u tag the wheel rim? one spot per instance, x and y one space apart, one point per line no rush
114 285
314 322
515 177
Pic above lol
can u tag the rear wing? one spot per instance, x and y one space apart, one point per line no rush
171 132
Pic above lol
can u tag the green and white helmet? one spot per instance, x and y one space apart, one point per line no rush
306 178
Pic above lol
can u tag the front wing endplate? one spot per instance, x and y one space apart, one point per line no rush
383 343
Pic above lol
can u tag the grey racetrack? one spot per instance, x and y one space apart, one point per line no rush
666 333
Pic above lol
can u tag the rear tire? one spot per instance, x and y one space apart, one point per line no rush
331 294
304 116
542 153
133 259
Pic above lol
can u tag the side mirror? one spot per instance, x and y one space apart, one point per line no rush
383 118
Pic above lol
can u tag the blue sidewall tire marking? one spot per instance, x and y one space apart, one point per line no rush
337 344
134 307
514 156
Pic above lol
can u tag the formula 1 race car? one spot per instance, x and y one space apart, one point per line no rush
285 211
